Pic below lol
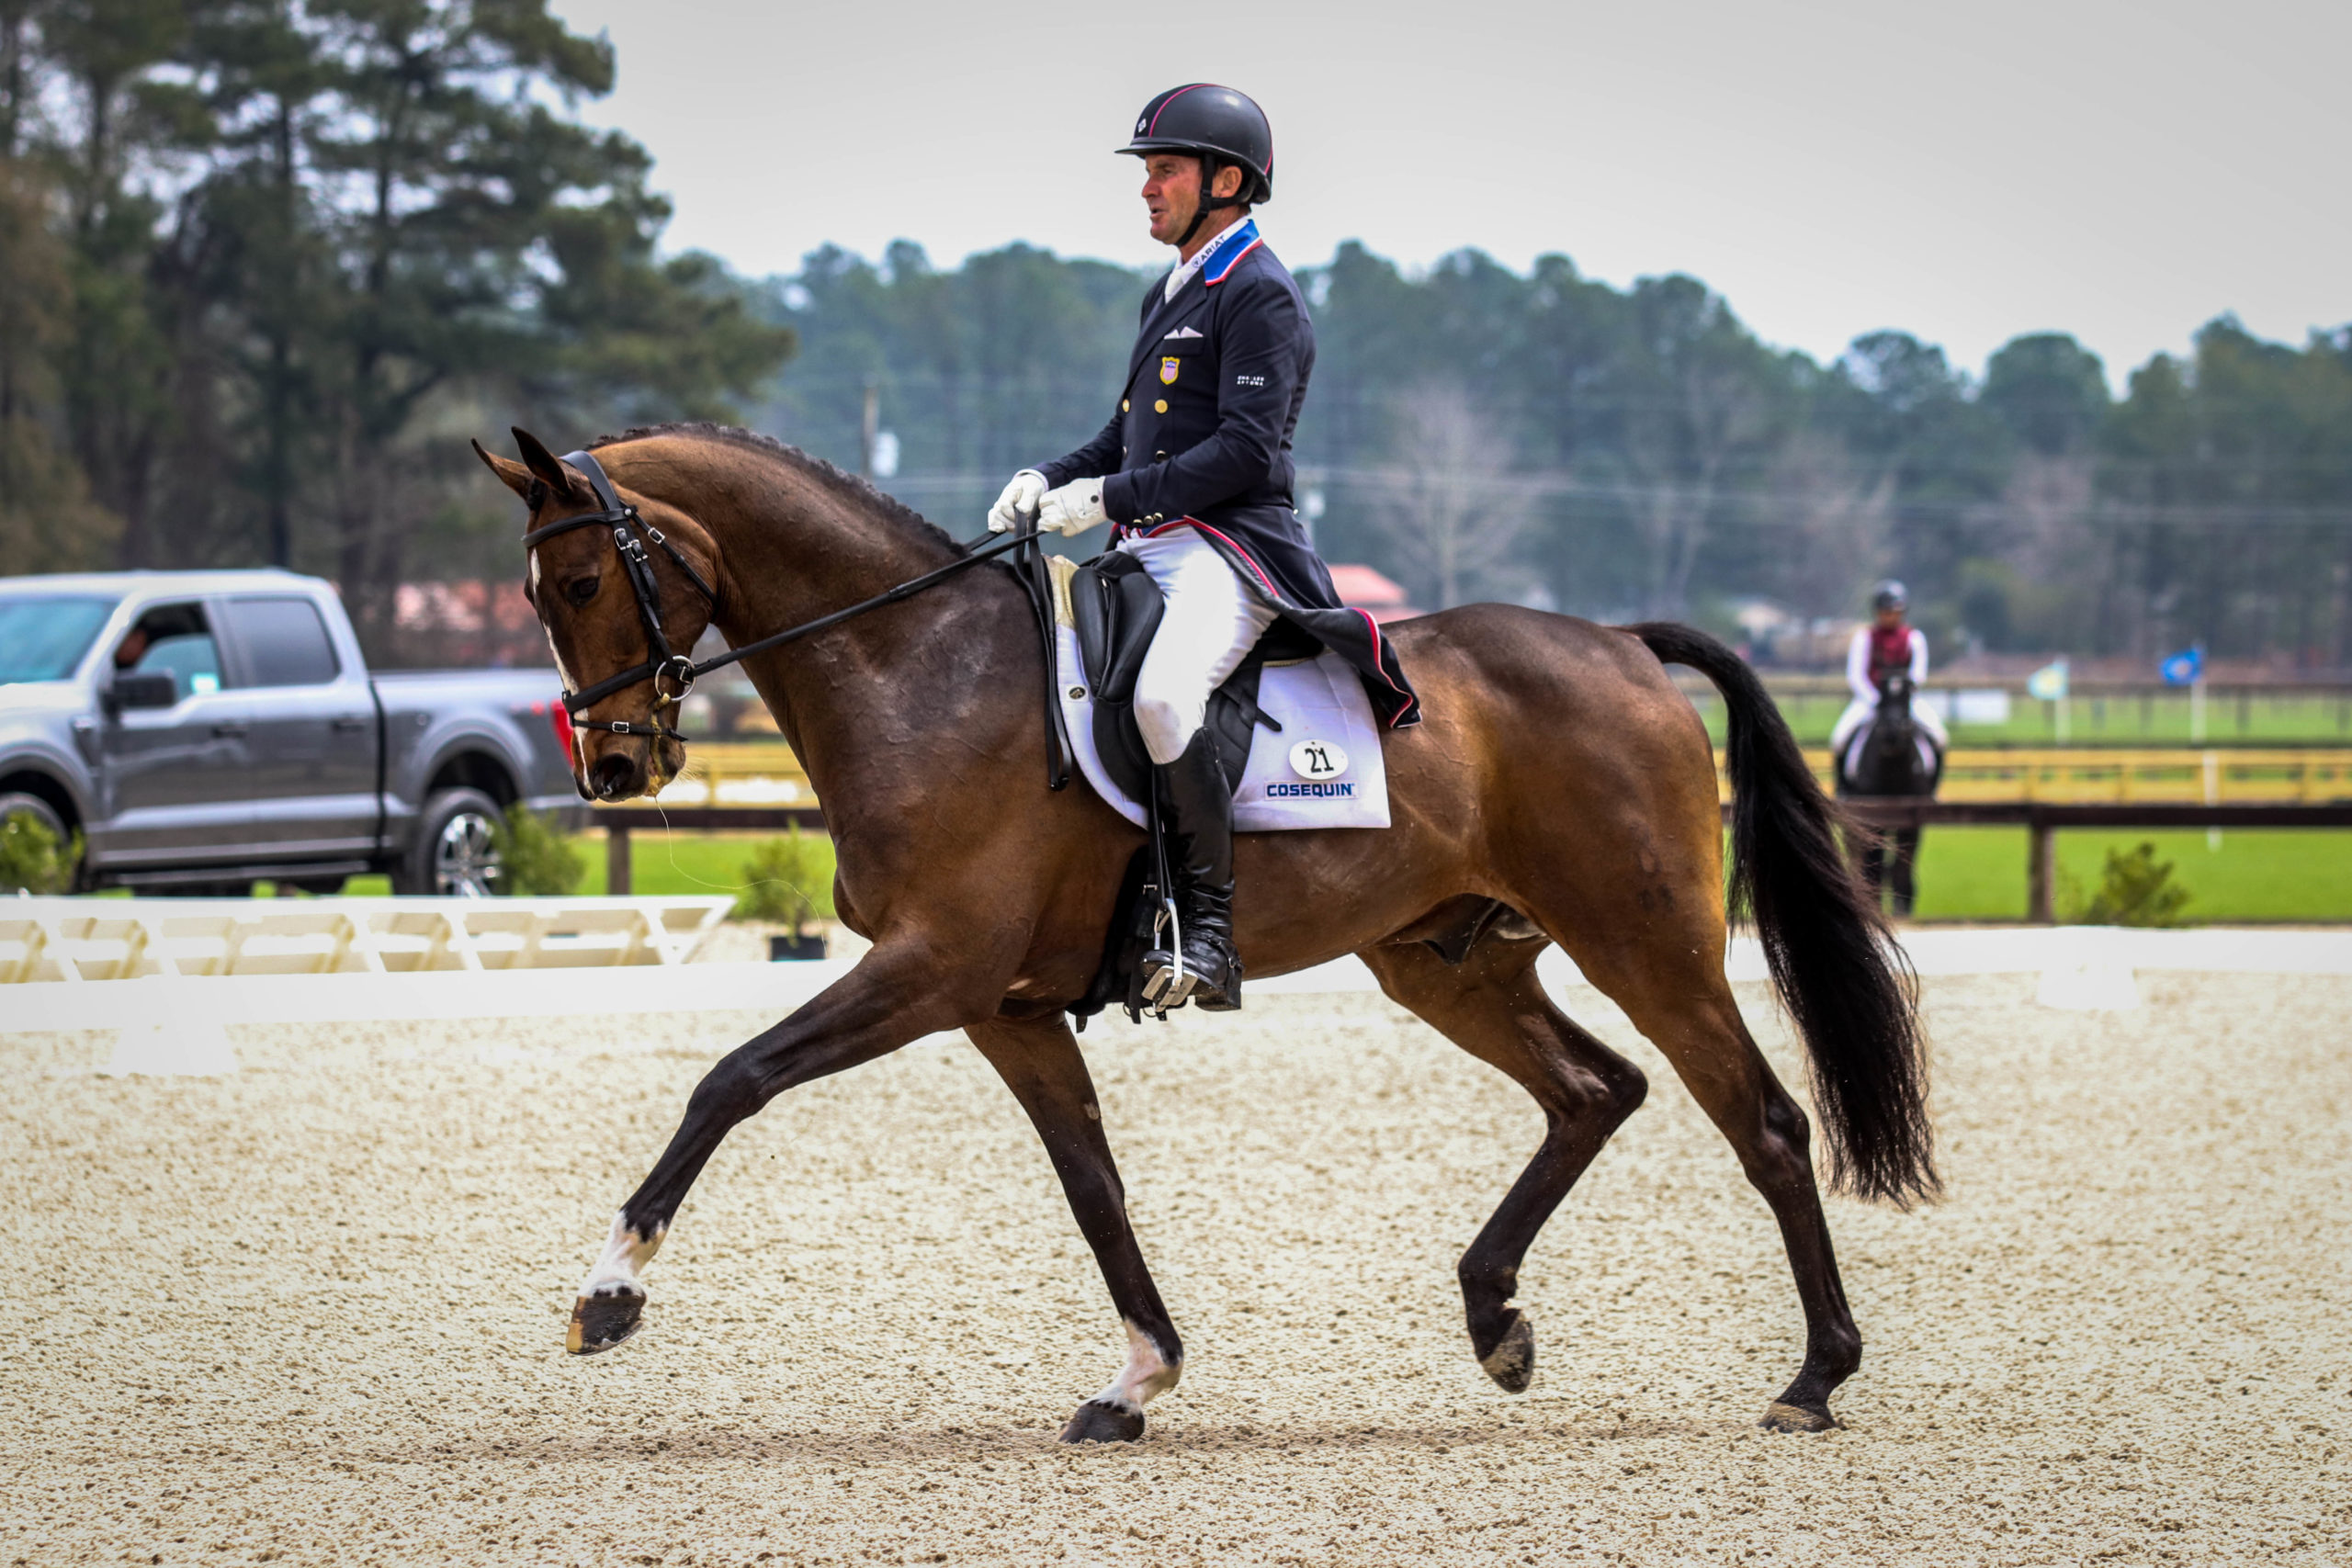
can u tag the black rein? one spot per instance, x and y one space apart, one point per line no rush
624 521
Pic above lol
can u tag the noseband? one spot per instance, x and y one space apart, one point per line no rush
661 661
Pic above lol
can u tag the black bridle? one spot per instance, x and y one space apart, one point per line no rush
661 660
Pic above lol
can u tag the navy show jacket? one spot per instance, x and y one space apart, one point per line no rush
1203 438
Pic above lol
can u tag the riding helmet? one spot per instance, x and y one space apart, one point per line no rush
1216 123
1890 595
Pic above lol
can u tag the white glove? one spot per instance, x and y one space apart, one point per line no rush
1074 507
1019 501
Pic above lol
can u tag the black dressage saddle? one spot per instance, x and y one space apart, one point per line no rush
1118 608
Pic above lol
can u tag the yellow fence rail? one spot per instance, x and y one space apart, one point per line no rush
2084 776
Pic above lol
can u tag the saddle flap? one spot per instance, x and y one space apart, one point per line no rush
1117 608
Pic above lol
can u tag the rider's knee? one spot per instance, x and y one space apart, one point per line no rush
1168 724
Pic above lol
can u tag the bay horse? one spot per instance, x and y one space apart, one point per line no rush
1895 756
1560 790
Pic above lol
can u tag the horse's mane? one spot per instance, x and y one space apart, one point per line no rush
847 486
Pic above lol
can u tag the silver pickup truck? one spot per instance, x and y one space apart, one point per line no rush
206 730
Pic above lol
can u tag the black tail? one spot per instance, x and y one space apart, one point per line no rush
1841 976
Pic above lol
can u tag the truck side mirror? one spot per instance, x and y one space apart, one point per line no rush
153 690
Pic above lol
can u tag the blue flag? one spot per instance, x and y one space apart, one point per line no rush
2183 668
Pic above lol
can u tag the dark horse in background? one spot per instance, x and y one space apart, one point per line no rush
1893 756
1561 790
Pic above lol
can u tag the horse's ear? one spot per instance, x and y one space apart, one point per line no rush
549 467
514 477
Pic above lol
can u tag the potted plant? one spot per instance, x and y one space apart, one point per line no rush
789 881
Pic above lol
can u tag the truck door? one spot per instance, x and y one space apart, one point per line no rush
313 742
172 779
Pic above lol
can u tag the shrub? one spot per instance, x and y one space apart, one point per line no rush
534 859
789 881
31 860
2135 889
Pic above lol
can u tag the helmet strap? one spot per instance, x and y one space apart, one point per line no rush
1210 165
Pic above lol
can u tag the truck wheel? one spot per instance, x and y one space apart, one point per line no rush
40 810
456 852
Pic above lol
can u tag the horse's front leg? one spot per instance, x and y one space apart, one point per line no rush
1039 1061
896 993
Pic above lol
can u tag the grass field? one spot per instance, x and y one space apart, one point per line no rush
1965 873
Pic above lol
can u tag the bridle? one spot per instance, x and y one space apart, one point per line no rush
664 663
624 521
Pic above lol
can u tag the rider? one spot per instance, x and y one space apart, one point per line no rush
1194 472
1886 647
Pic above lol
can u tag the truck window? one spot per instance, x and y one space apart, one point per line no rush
285 642
175 640
44 636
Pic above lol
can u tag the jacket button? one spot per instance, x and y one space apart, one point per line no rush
1122 405
1159 457
1159 405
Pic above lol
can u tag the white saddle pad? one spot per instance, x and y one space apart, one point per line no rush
1324 769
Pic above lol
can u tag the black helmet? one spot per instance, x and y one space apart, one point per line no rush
1890 595
1217 124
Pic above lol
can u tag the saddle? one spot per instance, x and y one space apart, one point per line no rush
1117 610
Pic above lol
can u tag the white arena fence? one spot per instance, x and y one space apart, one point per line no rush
78 941
524 958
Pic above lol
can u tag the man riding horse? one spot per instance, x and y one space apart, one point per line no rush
1194 472
1885 648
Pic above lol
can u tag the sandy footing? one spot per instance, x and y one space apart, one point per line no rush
313 1311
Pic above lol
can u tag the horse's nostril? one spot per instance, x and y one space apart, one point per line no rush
613 775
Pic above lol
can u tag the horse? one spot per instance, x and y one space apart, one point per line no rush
1560 790
1895 756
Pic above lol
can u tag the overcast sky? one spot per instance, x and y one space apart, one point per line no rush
1966 170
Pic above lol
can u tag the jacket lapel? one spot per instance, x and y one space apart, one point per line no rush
1171 314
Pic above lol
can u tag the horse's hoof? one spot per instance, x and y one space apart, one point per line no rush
1099 1423
602 1320
1779 1418
1512 1363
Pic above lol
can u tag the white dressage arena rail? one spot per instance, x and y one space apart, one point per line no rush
176 1022
74 941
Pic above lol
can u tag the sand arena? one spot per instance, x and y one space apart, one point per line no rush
313 1311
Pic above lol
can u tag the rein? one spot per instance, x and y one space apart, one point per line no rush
624 521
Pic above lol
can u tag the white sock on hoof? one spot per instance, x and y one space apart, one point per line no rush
617 1272
1147 1373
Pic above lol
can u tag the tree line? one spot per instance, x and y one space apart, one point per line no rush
266 263
1543 436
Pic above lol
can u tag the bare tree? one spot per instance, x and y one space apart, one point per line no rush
1833 519
1449 504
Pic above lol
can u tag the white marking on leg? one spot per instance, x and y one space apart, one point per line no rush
1147 1373
617 1272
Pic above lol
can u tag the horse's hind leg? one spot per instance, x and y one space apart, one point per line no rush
1904 874
1676 995
1492 1006
1039 1061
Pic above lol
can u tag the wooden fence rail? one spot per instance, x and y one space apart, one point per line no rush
2041 819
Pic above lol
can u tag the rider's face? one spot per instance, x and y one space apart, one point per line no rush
1171 194
1890 617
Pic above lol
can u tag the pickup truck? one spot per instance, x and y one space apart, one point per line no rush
203 730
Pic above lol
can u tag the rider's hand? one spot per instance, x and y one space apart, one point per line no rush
1019 501
1074 507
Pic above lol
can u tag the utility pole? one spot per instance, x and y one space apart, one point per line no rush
869 428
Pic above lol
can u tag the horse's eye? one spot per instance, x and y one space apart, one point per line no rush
580 590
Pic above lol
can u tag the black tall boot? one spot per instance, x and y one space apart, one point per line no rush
1200 856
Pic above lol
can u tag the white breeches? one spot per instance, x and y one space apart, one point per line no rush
1212 623
1860 713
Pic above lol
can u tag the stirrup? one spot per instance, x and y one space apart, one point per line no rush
1166 983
